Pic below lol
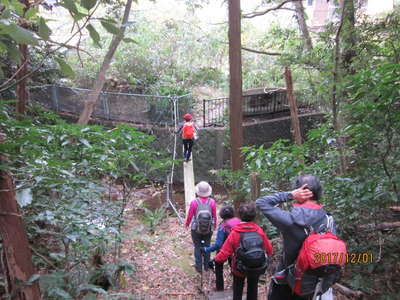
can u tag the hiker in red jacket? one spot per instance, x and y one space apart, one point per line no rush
247 213
189 134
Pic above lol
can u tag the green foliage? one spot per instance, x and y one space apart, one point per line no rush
375 125
44 30
371 184
153 218
186 57
65 68
27 25
282 161
109 25
60 170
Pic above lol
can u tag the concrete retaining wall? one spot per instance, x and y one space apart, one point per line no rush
211 151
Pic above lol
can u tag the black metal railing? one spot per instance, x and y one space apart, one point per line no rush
216 111
266 103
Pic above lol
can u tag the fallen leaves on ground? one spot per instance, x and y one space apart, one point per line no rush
164 262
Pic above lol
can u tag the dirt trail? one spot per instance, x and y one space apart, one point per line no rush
164 262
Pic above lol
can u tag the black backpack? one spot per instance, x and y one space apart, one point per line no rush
250 255
203 217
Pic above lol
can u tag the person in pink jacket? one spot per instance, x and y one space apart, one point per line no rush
203 191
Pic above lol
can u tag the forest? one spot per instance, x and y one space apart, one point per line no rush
77 212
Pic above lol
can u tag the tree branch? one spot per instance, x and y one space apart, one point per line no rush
395 208
261 13
382 226
347 292
42 257
261 52
61 45
37 2
15 74
71 47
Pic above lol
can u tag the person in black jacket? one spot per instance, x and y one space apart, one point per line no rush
306 213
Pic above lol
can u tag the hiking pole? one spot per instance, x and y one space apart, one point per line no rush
203 258
318 290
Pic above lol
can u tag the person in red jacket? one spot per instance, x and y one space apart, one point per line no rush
247 213
189 134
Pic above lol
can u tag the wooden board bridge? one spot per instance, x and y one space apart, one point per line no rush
189 185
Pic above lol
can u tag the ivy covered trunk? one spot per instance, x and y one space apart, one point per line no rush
301 19
101 77
16 260
22 93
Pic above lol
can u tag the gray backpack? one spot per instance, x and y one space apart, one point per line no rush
203 217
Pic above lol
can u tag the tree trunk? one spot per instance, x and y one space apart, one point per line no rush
299 8
101 76
235 87
348 43
348 37
335 93
17 257
255 186
22 93
294 116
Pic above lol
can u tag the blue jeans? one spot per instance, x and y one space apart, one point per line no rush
199 241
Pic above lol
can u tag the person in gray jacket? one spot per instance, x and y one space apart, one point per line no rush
306 214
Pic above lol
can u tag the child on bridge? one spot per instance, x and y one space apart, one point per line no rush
228 222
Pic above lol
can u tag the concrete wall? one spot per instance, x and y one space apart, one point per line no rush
212 153
267 132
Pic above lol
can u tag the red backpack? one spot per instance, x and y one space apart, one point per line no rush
188 130
319 263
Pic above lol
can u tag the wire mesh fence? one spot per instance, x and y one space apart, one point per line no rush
133 108
159 110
